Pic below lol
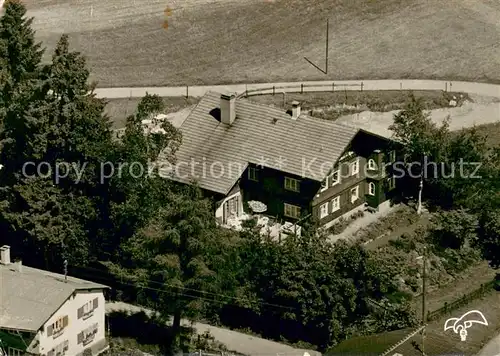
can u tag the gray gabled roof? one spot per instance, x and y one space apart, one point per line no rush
261 135
29 297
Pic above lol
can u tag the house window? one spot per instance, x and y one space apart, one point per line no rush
354 194
371 188
87 336
60 349
392 156
292 211
391 182
252 174
371 164
87 309
324 185
14 352
56 328
335 178
292 184
323 210
355 167
335 204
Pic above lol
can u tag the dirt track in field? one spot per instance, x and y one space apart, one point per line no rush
262 41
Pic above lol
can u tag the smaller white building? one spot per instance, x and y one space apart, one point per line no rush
45 313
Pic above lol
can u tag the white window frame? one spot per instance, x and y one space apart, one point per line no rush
355 196
58 325
291 211
252 174
292 184
87 307
323 210
333 181
392 156
392 182
355 167
371 188
372 165
324 185
335 204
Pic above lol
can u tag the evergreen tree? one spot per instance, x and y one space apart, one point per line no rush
20 55
174 255
56 121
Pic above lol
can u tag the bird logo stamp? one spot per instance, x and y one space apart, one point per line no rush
460 325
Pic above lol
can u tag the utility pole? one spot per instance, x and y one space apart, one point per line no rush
327 30
421 187
424 316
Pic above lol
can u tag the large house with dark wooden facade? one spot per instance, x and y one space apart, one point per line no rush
297 165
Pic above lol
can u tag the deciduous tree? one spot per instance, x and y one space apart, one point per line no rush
420 138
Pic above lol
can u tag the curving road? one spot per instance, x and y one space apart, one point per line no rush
484 89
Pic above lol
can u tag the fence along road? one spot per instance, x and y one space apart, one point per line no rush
277 88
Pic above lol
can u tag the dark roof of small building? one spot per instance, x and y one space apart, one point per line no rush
262 135
377 344
29 296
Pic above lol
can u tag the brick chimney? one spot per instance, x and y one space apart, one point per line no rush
295 110
227 108
5 255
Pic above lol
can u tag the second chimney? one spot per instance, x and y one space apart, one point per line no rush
5 255
295 110
227 108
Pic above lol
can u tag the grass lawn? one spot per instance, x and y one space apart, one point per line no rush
229 41
119 109
331 105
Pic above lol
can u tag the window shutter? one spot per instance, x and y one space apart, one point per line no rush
65 321
80 338
80 312
50 329
96 303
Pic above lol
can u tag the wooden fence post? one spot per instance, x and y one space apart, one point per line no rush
274 90
362 86
446 86
401 86
301 88
187 92
333 86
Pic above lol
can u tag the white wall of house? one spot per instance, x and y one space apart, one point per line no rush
75 324
219 212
